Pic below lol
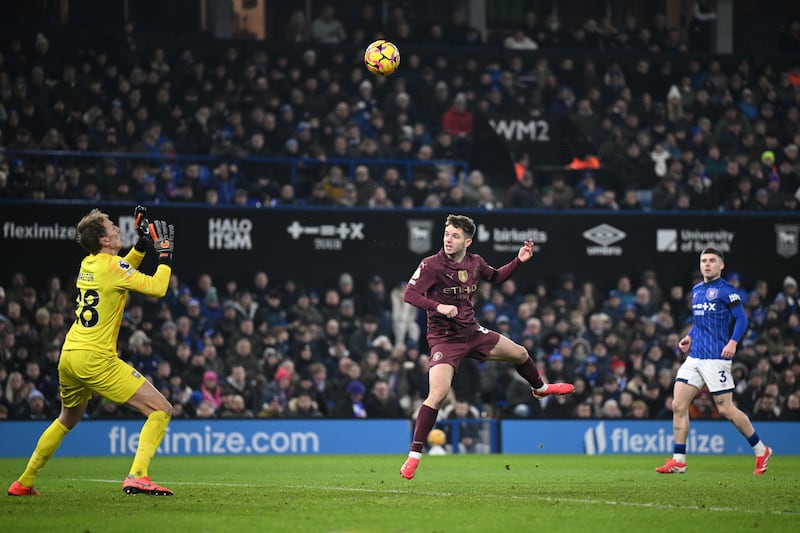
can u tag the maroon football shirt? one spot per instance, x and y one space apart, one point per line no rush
440 280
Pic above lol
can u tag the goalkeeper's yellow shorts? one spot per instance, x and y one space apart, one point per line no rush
81 372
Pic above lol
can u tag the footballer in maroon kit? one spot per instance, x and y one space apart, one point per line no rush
444 285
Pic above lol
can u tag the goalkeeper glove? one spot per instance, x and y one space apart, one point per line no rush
163 235
141 223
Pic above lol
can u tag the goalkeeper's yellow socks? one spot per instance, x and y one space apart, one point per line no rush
149 440
48 443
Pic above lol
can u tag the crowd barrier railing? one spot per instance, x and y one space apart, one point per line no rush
288 169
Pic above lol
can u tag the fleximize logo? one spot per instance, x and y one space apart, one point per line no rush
36 231
597 440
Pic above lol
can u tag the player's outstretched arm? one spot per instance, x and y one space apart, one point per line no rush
504 272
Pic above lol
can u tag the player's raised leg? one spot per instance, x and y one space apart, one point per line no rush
510 351
440 377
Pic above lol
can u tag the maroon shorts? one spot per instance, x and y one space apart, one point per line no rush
476 345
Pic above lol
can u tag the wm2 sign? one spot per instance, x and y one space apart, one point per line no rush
522 130
537 137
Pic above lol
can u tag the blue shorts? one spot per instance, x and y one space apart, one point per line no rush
476 345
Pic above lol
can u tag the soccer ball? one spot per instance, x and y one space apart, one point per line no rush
382 57
437 437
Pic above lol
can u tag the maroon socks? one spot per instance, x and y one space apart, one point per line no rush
528 371
425 421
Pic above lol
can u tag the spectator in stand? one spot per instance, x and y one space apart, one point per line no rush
519 40
297 29
458 122
561 191
381 403
523 194
791 296
234 406
364 184
352 406
279 391
286 198
303 406
394 186
465 417
212 392
326 28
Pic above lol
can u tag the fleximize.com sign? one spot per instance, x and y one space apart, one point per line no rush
598 440
210 442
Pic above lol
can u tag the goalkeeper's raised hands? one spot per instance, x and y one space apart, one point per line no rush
163 236
142 229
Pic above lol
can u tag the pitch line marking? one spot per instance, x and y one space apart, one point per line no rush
585 501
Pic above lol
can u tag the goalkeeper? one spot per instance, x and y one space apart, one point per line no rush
89 361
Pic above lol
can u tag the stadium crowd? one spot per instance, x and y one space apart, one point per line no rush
683 132
665 127
266 349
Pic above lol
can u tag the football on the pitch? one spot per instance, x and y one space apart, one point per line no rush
381 57
437 437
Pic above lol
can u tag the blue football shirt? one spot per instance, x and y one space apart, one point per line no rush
713 307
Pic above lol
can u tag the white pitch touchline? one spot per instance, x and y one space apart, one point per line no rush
586 501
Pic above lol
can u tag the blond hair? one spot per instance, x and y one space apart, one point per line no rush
91 229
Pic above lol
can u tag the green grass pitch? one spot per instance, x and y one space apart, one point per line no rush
500 493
